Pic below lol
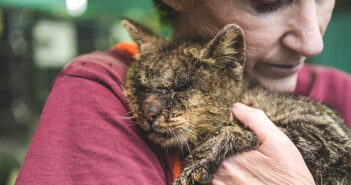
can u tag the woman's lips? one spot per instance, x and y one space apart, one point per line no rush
278 70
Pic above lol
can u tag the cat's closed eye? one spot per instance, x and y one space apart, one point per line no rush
181 88
182 83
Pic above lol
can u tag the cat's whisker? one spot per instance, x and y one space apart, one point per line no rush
192 134
173 135
182 134
179 141
189 125
133 124
183 127
187 145
125 117
189 131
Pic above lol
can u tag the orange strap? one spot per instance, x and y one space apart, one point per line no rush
177 166
130 47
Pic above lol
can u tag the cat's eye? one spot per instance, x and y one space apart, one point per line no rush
266 6
181 83
180 88
169 98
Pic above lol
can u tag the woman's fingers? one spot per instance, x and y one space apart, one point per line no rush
275 161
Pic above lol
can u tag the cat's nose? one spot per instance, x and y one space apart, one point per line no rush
151 113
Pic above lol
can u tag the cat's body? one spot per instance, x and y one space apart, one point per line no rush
181 92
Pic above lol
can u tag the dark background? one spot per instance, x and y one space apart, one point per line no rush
39 37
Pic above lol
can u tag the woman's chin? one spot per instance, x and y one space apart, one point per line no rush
286 84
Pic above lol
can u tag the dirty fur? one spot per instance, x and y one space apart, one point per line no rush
180 93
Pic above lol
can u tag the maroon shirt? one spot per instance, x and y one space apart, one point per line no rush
326 85
84 135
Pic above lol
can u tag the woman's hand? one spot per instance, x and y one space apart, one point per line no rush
275 161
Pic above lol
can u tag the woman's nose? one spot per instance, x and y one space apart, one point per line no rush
304 35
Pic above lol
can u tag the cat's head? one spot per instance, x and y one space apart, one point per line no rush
168 90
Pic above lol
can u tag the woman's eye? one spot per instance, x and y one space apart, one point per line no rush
266 6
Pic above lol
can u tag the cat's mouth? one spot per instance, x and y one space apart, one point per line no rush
156 133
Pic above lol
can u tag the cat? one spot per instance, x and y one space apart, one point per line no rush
180 93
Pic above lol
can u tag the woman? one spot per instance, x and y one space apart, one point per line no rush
83 136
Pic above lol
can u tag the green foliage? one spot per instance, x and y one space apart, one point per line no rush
337 43
7 163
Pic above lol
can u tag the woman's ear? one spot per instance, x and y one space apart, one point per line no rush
142 35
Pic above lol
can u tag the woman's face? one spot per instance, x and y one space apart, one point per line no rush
280 34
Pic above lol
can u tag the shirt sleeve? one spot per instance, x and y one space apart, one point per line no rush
327 85
85 136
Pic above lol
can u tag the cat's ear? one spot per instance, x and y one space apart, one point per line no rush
142 35
227 48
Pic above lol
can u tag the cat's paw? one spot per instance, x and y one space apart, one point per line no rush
201 175
195 174
181 181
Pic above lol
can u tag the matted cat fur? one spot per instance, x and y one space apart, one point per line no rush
180 93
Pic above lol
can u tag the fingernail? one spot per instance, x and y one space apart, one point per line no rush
238 107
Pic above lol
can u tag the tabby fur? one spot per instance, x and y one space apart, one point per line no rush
180 93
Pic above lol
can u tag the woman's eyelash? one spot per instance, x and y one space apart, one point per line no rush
266 6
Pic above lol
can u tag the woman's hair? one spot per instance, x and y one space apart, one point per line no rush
168 15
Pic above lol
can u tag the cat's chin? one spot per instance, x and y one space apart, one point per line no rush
167 139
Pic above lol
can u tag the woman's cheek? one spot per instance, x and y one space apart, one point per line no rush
255 50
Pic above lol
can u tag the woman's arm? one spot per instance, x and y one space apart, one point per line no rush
276 160
84 135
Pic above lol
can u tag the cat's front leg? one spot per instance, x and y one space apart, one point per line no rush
206 158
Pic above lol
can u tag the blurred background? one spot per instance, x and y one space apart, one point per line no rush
39 37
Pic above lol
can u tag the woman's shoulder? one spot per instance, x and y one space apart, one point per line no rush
100 65
326 85
85 126
104 68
